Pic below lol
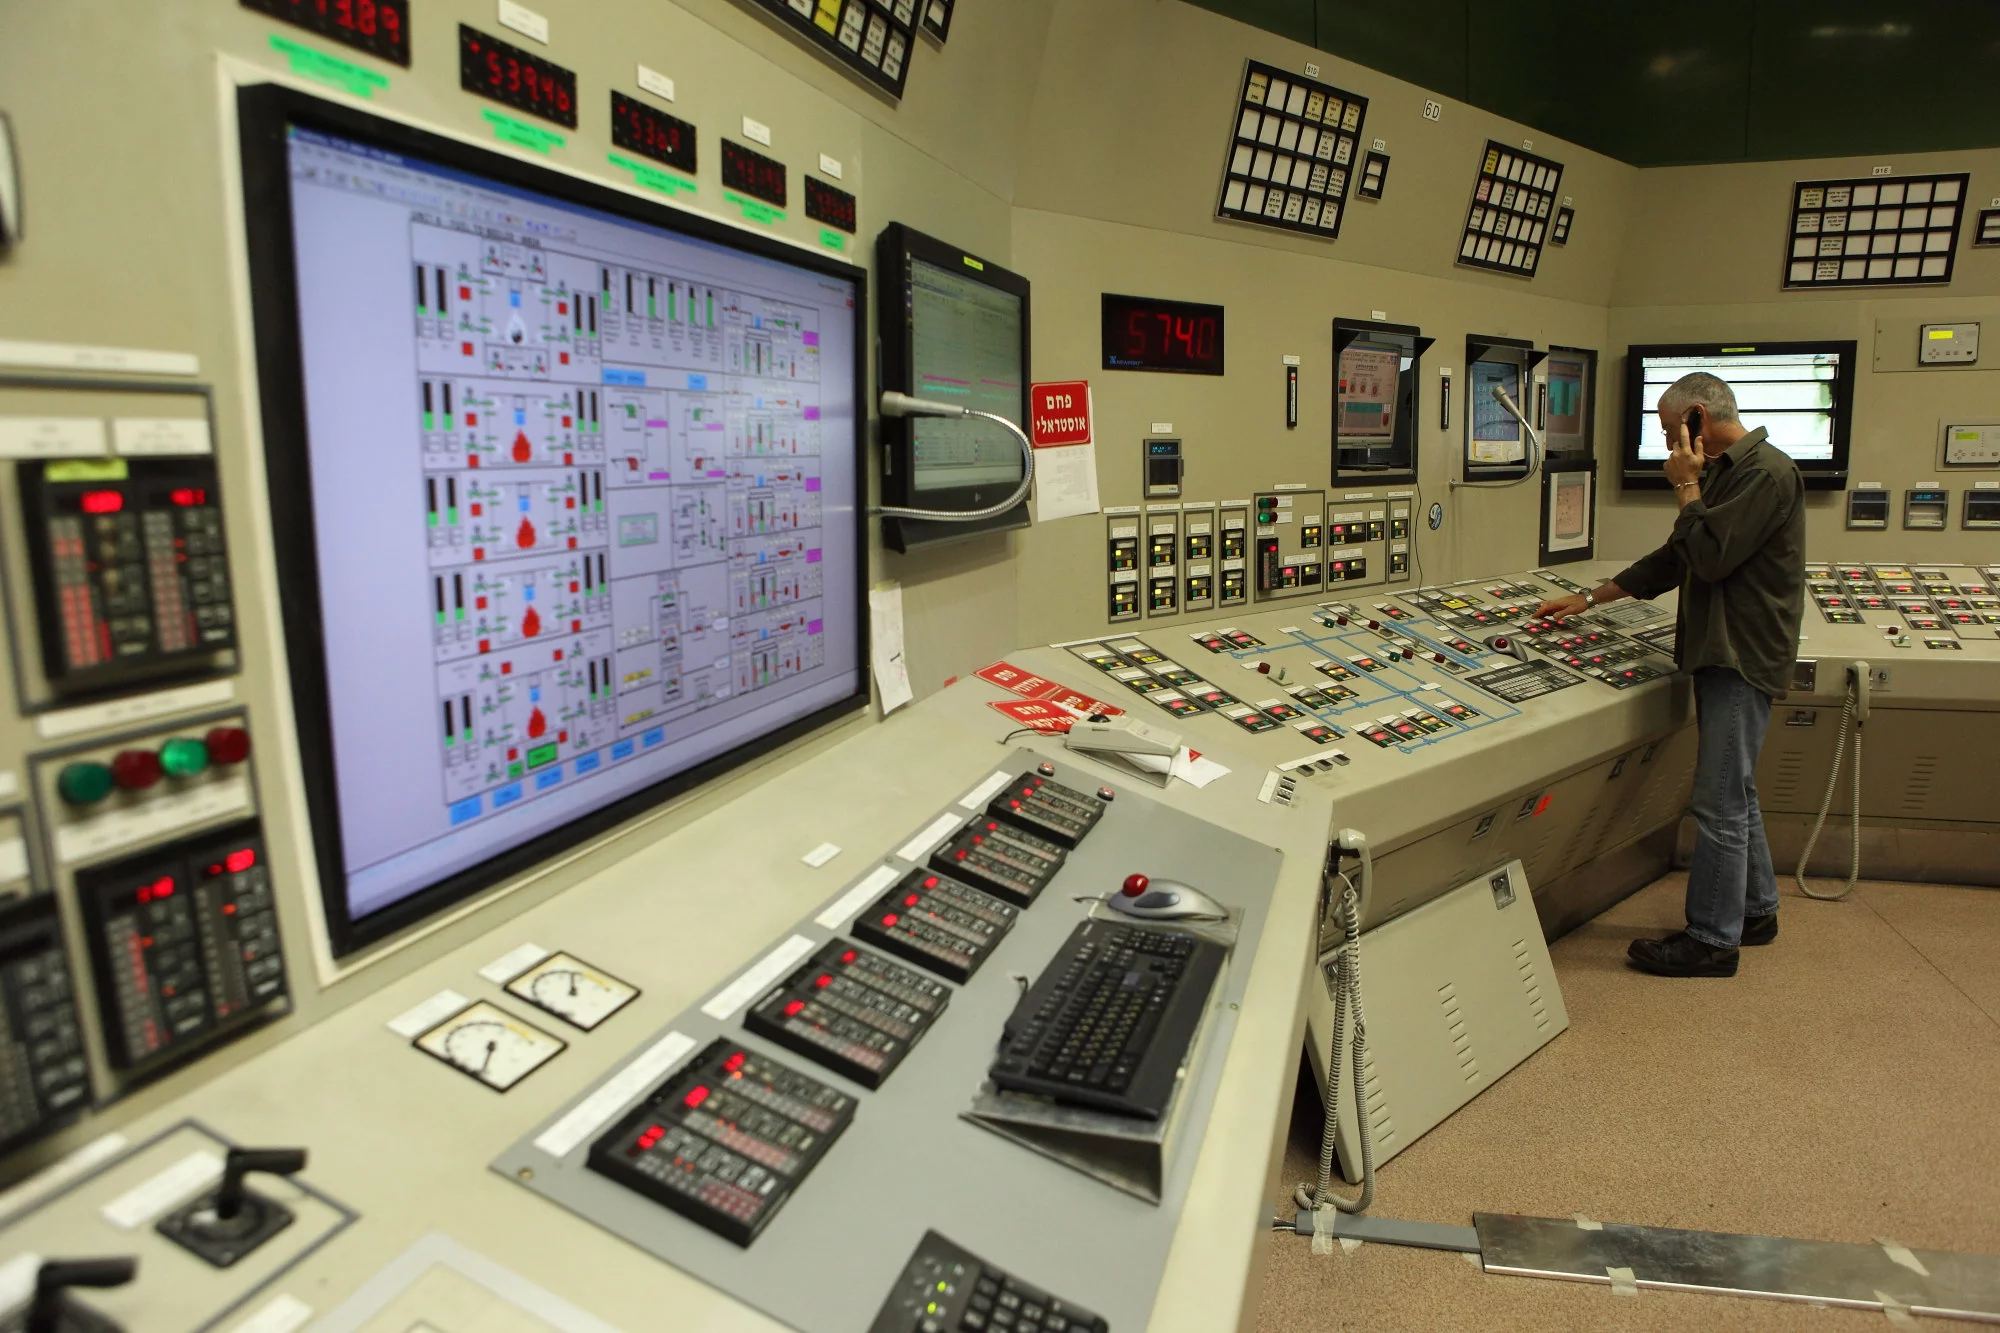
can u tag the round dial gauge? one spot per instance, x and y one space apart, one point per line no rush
491 1045
572 990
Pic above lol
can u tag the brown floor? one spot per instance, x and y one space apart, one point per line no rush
1844 1085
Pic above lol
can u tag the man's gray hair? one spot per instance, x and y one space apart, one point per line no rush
1715 398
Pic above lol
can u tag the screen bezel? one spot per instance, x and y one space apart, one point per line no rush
265 111
1402 449
1586 447
896 353
1819 475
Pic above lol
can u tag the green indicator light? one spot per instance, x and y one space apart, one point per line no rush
540 755
447 421
85 782
513 770
182 757
431 519
451 515
430 422
458 614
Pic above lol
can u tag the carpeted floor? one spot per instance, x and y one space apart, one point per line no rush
1844 1085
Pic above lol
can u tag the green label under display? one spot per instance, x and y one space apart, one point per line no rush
320 67
521 134
832 240
652 179
754 211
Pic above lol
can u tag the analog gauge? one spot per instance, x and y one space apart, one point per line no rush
491 1044
573 990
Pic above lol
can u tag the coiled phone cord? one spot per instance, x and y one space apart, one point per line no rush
1347 989
1849 717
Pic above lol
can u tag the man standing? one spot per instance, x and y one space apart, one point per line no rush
1737 554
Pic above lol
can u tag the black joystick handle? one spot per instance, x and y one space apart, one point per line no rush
241 1162
57 1275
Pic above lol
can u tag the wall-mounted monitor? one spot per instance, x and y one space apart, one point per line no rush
1569 405
1801 393
567 490
953 327
1375 392
1496 446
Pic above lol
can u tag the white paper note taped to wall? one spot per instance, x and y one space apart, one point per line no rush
1065 482
885 639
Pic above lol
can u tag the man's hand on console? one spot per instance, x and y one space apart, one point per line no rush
1563 607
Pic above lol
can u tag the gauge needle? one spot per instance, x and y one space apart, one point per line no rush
572 983
491 1047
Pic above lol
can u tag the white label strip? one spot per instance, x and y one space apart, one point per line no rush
411 1022
17 1280
757 131
1270 785
524 21
51 437
97 717
13 859
160 435
10 784
934 833
513 963
152 817
754 982
78 356
590 1115
1163 428
821 854
830 165
281 1314
52 1178
140 1205
977 798
656 83
847 904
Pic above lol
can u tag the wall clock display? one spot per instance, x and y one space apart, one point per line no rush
1292 152
1512 204
1874 231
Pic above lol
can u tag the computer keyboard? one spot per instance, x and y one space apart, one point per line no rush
945 1289
1110 1020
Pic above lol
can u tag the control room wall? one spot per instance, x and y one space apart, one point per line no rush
1702 264
1117 193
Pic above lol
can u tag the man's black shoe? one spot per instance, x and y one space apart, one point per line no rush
1760 929
1681 955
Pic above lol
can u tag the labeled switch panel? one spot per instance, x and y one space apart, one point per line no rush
1163 539
117 796
43 1077
1289 537
1232 569
1198 559
1926 507
1867 508
131 575
184 942
1122 558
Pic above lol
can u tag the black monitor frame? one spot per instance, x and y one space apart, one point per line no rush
1400 464
265 111
1827 475
1585 450
895 248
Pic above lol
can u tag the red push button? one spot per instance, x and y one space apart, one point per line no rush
228 745
135 770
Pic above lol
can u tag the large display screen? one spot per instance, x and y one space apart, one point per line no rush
581 484
1800 393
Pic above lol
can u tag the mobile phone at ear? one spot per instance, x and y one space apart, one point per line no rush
1694 424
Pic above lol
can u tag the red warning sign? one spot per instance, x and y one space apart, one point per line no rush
1061 698
1034 713
1059 413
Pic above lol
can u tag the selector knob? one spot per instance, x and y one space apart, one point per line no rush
1135 885
1046 769
1105 793
135 770
53 1312
227 745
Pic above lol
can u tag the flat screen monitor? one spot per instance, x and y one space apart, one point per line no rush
1375 398
1801 393
954 328
566 487
1570 408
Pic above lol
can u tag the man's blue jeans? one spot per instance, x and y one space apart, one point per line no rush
1731 875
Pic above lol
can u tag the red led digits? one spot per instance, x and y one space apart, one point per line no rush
101 502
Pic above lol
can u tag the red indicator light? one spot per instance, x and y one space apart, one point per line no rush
102 502
889 920
911 901
823 980
792 1009
931 882
188 497
697 1095
848 957
992 824
1015 804
229 909
240 860
734 1062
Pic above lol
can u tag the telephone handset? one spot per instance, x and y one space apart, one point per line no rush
1857 681
1693 421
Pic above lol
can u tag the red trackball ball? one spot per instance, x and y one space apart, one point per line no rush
1135 885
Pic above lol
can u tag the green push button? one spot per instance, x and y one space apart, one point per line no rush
85 782
183 757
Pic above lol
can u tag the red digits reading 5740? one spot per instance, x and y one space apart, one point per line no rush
1143 333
